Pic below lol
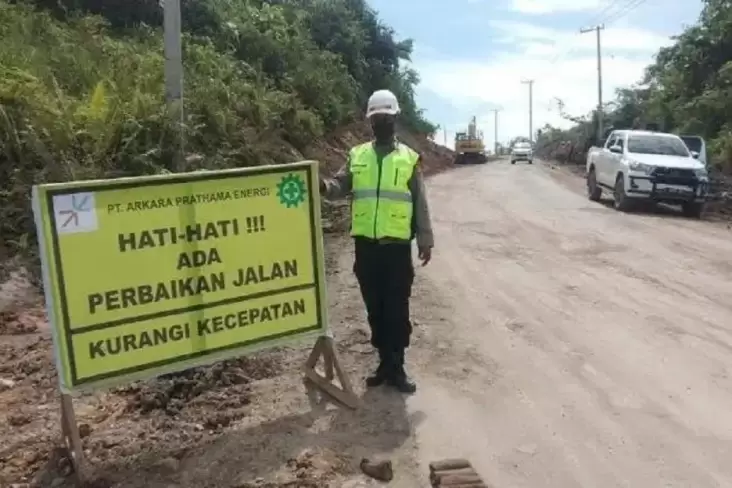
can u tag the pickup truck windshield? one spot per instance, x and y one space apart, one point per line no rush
522 145
651 144
692 142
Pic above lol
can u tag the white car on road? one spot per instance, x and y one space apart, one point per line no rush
651 166
522 151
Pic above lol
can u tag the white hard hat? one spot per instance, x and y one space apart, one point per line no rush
382 102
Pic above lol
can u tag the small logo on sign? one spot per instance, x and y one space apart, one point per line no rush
291 190
75 213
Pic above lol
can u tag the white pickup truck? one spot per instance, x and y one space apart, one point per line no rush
652 166
522 151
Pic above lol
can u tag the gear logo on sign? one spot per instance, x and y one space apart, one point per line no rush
291 190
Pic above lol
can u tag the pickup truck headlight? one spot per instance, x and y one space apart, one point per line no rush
701 173
640 167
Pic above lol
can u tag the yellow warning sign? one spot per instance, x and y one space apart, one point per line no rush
156 274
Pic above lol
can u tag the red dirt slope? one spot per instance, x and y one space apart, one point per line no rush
333 150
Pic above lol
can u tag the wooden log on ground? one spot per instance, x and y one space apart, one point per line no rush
448 464
456 480
469 485
436 476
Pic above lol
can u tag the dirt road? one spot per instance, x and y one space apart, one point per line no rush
564 344
558 344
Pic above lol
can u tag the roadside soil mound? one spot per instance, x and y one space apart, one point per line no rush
333 151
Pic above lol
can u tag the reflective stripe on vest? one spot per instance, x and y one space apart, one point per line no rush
382 202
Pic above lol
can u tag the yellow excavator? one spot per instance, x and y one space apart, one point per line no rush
469 146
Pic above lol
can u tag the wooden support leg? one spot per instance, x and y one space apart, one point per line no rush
72 439
345 395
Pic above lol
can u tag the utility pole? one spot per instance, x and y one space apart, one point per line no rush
600 129
531 108
174 73
495 130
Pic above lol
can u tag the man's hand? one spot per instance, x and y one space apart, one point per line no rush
425 255
323 186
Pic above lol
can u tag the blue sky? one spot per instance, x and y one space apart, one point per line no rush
473 54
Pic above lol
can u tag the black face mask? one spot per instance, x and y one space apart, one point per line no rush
383 129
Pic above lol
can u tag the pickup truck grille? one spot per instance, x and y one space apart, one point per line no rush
675 176
673 172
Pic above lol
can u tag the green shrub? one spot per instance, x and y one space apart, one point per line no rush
82 88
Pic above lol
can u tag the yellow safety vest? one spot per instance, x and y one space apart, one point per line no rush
382 202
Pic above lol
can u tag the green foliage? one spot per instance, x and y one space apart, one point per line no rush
82 88
688 89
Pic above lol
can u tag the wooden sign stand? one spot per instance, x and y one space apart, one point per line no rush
71 437
325 348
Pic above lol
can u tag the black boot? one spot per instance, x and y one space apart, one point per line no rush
398 377
382 371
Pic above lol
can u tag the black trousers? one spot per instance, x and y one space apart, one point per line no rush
385 275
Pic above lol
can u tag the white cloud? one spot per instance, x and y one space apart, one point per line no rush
548 6
563 65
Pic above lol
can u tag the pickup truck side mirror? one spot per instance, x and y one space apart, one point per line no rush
695 154
616 149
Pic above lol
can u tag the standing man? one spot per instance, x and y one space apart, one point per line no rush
388 210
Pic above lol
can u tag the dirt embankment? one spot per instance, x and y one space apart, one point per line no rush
333 151
238 423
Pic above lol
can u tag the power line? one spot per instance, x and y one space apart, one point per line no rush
613 11
604 16
612 16
629 7
598 18
595 19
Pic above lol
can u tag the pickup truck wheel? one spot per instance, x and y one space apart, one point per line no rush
594 192
513 161
693 210
621 202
